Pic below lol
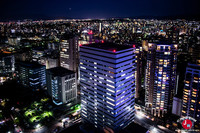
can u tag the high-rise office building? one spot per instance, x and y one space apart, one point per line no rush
191 93
61 85
160 77
69 52
32 74
107 79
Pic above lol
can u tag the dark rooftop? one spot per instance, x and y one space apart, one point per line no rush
110 46
33 65
60 71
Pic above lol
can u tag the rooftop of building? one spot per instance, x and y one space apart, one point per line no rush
33 65
60 71
110 46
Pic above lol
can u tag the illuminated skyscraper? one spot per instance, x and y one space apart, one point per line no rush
149 75
61 85
160 77
191 93
69 52
107 79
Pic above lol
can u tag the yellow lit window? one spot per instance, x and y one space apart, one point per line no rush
187 82
183 111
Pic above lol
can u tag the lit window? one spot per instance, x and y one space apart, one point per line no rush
83 67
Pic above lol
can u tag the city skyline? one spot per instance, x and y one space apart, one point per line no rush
34 9
100 76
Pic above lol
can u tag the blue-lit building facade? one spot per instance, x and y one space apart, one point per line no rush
61 85
162 62
191 93
32 74
107 79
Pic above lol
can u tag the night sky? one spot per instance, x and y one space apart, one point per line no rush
46 9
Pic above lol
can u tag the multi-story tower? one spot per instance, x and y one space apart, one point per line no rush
161 77
32 74
191 93
149 75
61 85
165 78
139 70
107 79
69 52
